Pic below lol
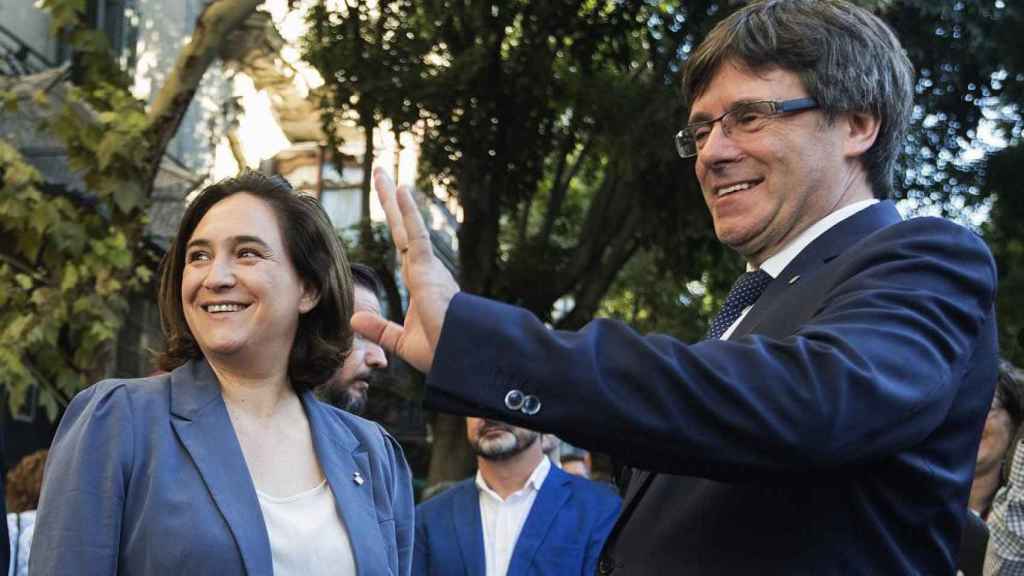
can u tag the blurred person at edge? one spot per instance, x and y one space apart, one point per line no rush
577 463
1005 511
992 469
24 483
227 464
1001 429
349 387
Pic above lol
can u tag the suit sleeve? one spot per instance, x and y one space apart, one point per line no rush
873 371
78 523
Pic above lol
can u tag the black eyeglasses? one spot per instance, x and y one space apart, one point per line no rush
742 119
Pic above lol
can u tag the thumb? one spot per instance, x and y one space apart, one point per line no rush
377 329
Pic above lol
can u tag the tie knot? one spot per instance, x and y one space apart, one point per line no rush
744 292
748 288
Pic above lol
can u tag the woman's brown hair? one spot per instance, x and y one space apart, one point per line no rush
323 336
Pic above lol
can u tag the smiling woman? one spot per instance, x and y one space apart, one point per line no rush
257 234
226 463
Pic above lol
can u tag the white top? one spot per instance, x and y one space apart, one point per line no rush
307 537
777 263
503 519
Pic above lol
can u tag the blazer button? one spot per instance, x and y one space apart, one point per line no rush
514 399
605 567
531 405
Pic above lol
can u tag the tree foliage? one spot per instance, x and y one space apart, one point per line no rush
68 260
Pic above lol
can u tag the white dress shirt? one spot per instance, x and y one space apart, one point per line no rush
777 263
503 519
307 537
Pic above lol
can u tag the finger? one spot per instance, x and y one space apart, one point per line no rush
415 229
386 194
377 329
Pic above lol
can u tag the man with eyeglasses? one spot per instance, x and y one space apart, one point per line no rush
829 421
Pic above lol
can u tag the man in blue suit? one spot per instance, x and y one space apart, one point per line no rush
519 515
829 422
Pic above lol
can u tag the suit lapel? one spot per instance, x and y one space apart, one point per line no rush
824 248
833 242
553 494
341 457
200 420
469 529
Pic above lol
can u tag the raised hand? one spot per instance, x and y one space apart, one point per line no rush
431 287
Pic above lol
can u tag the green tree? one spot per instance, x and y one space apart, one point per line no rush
68 263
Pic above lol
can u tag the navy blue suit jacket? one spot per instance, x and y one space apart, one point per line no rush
563 534
147 477
835 432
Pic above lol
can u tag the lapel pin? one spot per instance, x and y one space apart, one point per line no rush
794 279
357 478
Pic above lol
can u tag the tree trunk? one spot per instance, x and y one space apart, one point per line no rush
212 32
365 226
450 456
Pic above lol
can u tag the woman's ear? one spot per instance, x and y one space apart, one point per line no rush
310 298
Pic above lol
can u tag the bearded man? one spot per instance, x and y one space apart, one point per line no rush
518 516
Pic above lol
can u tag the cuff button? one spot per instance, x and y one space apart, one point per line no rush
514 399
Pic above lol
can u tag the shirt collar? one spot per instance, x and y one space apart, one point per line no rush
777 263
536 479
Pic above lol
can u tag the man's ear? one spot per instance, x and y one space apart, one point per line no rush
861 131
309 299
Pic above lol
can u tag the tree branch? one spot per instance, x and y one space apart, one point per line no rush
595 284
560 185
19 264
212 32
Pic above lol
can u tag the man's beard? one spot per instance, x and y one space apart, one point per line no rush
346 396
503 446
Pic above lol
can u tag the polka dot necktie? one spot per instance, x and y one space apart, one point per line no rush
744 292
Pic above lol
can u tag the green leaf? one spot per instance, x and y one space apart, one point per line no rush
126 198
70 278
8 101
40 98
16 328
24 280
143 273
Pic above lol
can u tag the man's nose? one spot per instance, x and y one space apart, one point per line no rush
375 356
718 147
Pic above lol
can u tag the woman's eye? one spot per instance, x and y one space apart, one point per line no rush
248 253
196 256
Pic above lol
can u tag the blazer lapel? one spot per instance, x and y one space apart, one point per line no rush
200 419
347 467
553 494
832 243
469 527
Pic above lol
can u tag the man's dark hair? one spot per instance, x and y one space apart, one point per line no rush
323 335
364 276
1009 392
847 59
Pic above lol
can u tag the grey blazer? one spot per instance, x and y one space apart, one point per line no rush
146 476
